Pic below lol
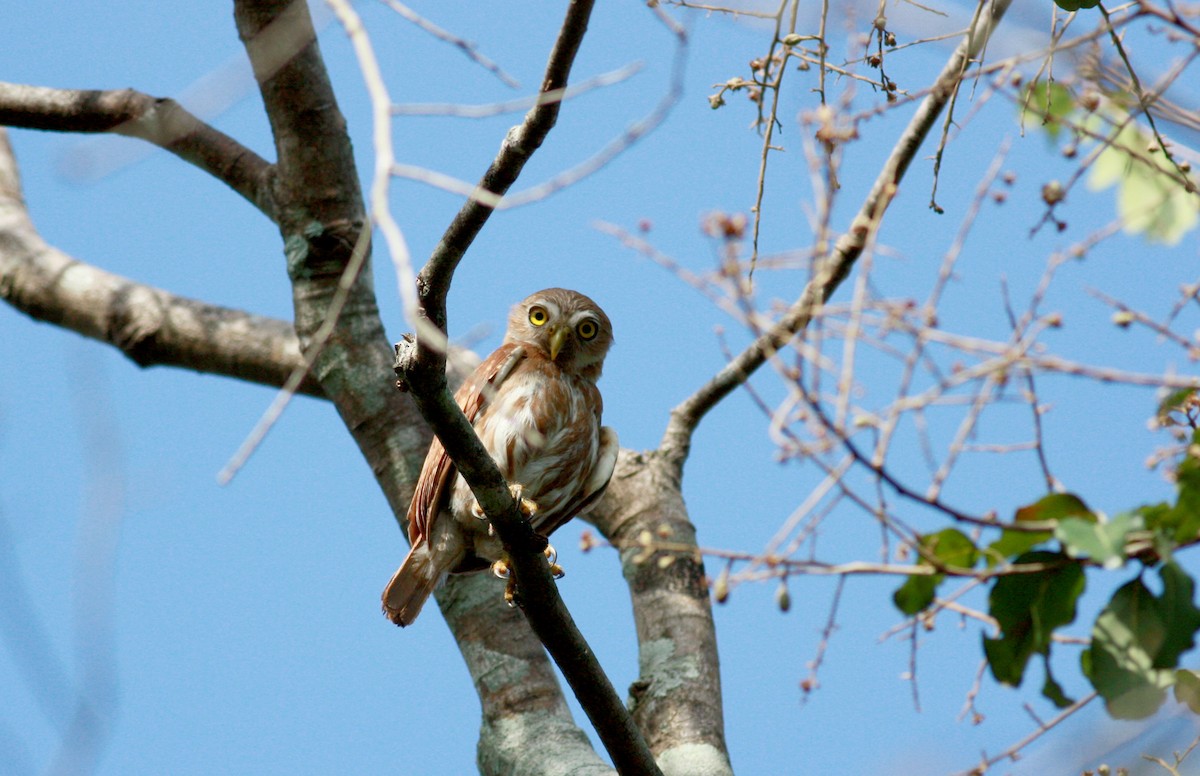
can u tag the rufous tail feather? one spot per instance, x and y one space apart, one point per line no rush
410 587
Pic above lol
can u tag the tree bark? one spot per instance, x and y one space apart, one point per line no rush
676 699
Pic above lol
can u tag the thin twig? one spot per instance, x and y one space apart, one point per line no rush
1011 752
284 397
487 110
465 46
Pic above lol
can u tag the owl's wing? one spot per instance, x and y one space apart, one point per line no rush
438 471
593 489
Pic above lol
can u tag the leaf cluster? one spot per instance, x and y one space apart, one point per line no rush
1040 563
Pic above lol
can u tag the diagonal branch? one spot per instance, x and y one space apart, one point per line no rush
833 269
518 146
151 326
157 120
321 216
677 697
422 367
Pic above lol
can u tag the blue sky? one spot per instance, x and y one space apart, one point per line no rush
246 635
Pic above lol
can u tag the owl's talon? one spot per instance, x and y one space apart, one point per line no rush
500 569
527 507
510 592
552 556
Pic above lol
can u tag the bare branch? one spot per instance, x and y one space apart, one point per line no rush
518 146
151 326
157 120
519 104
1012 752
830 272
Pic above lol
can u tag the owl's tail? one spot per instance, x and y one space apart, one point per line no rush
411 586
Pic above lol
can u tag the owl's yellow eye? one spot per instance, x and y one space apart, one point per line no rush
587 330
537 316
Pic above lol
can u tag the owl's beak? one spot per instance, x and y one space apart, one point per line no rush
558 338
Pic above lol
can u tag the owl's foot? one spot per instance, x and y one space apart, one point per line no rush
528 507
500 569
552 556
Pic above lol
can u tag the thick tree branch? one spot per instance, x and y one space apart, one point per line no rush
677 696
151 326
157 120
521 700
321 215
832 270
423 369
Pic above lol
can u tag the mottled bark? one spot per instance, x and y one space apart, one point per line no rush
676 699
423 369
149 325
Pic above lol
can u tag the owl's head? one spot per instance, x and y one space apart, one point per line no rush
568 327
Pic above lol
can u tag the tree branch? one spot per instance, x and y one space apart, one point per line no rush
677 696
519 145
321 215
830 271
151 326
157 120
517 687
423 368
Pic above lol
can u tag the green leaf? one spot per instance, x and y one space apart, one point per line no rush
1187 689
1178 523
1104 543
1181 618
1185 517
1075 5
1127 636
1013 543
952 548
1150 198
1055 506
1028 608
916 594
1175 401
1052 690
1046 104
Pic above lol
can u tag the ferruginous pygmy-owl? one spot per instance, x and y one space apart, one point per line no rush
535 405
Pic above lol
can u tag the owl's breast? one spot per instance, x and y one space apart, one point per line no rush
542 428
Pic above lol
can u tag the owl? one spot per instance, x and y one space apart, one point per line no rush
536 408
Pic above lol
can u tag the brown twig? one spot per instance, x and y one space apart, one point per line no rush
1011 752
